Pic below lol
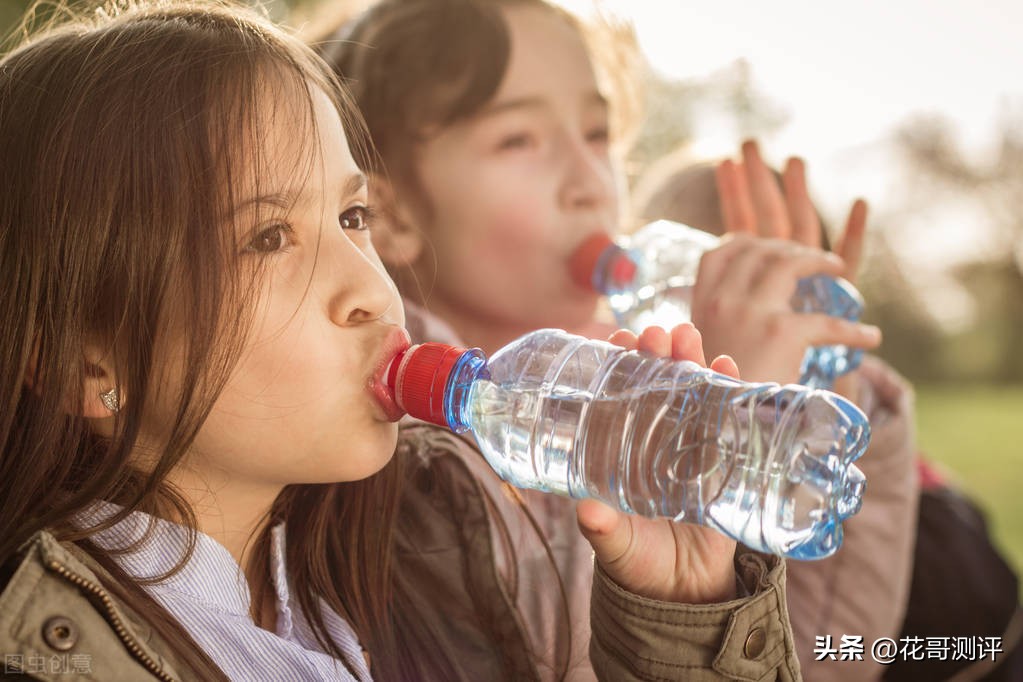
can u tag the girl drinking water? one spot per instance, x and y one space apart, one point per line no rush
199 477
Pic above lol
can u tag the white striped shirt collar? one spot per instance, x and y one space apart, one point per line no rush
210 596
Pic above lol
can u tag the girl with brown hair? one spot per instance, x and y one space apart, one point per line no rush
199 476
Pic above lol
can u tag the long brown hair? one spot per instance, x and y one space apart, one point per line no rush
124 135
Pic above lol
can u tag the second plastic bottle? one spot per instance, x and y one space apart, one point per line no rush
768 465
649 276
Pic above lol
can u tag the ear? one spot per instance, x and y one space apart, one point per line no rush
396 238
98 378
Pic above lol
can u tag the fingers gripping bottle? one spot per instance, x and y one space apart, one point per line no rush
649 276
768 465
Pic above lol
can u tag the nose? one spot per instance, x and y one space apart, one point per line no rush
361 289
588 181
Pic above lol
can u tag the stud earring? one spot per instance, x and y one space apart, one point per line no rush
110 400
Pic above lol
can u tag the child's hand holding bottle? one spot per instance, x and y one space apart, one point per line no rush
742 305
658 558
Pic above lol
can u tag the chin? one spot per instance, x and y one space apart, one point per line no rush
351 457
373 454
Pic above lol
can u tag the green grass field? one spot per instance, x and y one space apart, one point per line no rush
977 434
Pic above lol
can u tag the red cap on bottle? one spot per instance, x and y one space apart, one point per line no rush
418 377
583 262
586 258
623 269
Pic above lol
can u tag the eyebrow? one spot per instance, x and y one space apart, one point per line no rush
354 184
591 98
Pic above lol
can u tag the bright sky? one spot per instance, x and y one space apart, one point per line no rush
847 73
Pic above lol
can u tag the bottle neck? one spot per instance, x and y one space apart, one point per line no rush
614 271
470 368
602 265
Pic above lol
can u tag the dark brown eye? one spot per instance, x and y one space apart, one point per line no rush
270 240
355 218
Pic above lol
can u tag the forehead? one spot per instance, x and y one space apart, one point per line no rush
298 133
548 56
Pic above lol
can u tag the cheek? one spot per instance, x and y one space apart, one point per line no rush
516 234
498 205
517 223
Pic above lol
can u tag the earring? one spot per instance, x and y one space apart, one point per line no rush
110 400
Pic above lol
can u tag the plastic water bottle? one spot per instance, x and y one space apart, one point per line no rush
648 278
768 465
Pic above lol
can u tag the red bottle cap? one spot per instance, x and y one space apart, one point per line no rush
583 262
623 269
587 257
418 377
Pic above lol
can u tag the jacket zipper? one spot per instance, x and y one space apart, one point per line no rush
114 619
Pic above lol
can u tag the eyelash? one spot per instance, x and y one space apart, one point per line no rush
366 215
275 229
523 140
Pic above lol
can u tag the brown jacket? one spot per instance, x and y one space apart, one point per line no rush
55 615
505 576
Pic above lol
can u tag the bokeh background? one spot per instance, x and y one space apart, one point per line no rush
914 105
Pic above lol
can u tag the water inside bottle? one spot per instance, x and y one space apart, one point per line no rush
663 304
646 439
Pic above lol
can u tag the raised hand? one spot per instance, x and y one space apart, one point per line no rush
753 202
741 300
659 558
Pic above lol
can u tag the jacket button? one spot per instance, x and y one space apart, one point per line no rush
755 643
60 633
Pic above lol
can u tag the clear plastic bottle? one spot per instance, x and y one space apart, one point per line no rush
648 278
768 465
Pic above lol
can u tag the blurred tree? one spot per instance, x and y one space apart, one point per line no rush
675 107
995 186
912 337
